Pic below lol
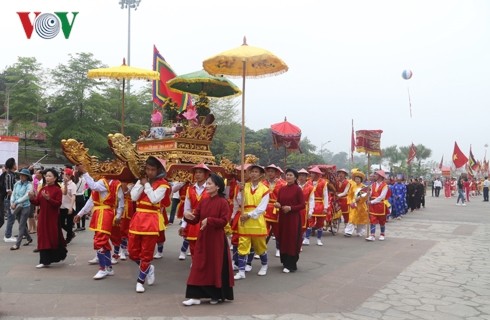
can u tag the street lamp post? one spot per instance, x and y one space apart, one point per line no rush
322 148
129 4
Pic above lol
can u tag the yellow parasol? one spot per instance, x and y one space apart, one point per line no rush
245 61
123 72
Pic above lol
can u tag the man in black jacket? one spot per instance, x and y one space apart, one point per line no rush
8 182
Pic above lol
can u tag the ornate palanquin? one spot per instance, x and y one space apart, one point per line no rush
181 151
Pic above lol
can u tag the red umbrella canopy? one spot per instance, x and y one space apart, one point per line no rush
286 134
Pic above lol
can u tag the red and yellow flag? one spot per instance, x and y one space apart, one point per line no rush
160 90
459 159
369 141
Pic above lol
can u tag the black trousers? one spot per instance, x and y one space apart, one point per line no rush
438 191
485 194
67 223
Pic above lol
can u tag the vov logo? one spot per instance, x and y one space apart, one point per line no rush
47 25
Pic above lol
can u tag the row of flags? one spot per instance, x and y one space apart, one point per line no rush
470 163
369 142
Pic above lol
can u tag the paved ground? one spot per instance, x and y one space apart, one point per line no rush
435 264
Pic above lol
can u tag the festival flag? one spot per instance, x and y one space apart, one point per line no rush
369 141
459 159
442 160
471 161
412 153
352 143
160 90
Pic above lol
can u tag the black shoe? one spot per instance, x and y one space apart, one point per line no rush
27 243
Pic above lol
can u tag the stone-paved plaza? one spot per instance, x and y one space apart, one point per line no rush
434 264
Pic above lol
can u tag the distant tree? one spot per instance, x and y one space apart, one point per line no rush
23 88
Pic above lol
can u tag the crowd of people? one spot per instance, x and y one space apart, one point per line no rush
225 224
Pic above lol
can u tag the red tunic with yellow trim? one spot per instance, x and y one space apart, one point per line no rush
147 219
104 209
271 213
233 191
378 209
127 214
318 192
343 200
180 206
192 230
307 189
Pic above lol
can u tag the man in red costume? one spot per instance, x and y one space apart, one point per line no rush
307 188
378 205
195 193
317 207
150 192
106 202
125 220
343 187
274 182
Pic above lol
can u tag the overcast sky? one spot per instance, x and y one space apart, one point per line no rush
345 60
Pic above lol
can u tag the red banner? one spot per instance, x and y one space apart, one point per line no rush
369 141
412 153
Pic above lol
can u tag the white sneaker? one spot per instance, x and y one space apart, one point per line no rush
109 271
263 270
370 238
248 268
191 302
157 255
122 255
101 274
240 275
256 256
381 238
235 267
113 260
306 242
11 239
188 253
319 242
464 204
40 266
286 270
151 275
139 288
94 261
182 256
278 253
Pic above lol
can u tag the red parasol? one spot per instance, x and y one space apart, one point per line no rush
286 134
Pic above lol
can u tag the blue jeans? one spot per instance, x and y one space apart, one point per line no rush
460 196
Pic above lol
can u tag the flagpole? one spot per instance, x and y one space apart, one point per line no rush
352 144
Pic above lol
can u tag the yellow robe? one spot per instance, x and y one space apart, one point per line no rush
359 214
